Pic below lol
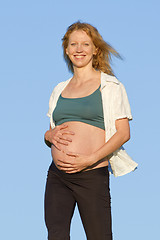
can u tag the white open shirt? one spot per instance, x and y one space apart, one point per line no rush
115 106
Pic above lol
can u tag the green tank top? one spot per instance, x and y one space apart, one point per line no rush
87 109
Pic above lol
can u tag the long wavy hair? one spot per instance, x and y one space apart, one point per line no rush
102 59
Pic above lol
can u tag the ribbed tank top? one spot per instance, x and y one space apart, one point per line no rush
87 109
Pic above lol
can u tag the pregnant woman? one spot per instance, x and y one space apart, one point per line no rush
89 122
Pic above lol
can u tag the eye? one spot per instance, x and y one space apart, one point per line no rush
86 44
73 44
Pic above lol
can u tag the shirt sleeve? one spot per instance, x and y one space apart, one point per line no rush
51 102
121 104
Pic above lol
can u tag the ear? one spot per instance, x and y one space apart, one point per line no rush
66 51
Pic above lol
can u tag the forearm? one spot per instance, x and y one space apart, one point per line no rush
115 142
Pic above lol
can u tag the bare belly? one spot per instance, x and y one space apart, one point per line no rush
87 139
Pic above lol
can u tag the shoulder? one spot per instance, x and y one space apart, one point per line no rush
113 89
109 78
58 88
59 85
111 82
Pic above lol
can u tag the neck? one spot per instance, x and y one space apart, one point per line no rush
83 74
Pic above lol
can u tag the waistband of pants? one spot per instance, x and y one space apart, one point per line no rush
88 172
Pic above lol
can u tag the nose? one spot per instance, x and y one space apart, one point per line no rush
79 48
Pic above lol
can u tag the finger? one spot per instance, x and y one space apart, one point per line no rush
72 154
62 142
68 132
57 146
70 171
64 168
65 163
58 140
63 126
66 139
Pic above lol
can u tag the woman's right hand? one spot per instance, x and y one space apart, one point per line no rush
58 136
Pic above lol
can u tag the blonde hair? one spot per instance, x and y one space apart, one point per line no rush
102 59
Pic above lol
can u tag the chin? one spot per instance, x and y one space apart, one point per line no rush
80 65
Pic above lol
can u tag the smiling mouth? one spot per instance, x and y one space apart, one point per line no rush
79 56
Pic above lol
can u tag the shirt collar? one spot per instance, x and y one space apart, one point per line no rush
107 78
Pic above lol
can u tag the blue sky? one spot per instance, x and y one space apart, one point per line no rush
31 64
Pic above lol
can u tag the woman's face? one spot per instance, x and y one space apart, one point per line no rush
80 49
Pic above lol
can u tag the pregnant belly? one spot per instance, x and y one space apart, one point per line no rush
87 140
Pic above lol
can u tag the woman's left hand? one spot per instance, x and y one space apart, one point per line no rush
73 162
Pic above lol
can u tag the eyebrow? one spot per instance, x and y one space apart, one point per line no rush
87 41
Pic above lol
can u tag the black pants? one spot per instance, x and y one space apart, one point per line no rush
90 190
